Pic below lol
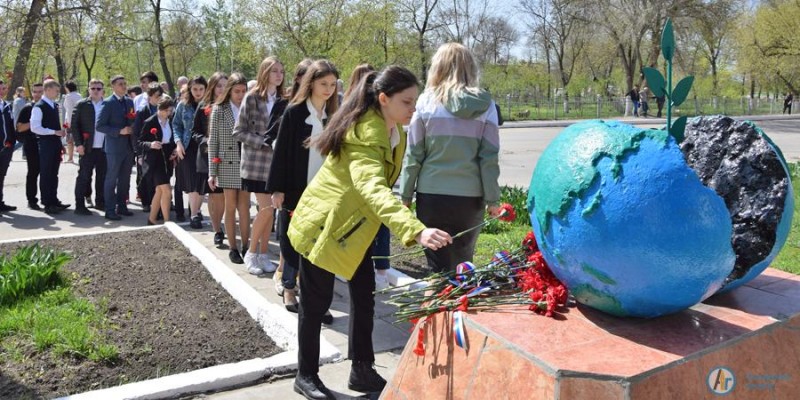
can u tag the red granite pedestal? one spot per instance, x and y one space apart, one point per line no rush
753 332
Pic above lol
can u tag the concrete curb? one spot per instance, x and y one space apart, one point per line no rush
276 322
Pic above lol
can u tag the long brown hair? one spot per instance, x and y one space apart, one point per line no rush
393 79
358 72
208 97
299 71
235 79
318 70
262 78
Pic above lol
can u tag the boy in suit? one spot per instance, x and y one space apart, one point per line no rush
89 145
8 135
115 120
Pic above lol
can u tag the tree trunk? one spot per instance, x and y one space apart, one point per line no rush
24 51
422 57
714 78
89 65
55 31
162 51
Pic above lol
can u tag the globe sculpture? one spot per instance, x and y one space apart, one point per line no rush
636 224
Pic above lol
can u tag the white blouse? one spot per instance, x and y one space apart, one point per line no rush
315 158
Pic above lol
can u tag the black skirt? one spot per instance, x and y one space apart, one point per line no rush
186 172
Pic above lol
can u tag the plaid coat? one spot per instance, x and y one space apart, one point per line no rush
223 149
256 130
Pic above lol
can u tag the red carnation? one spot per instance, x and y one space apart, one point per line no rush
153 131
86 135
216 160
131 114
8 145
507 213
66 125
207 110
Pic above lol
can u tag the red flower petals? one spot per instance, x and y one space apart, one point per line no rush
86 135
507 213
216 160
207 110
153 131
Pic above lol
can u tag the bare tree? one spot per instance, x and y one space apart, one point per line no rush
493 39
421 17
32 20
461 20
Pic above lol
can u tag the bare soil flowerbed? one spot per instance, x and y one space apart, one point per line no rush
167 315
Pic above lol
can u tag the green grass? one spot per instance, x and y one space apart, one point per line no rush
789 258
40 312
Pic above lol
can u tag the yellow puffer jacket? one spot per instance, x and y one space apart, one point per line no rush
342 208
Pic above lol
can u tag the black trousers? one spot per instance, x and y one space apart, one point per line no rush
50 149
316 286
31 148
177 198
5 161
94 160
143 187
451 214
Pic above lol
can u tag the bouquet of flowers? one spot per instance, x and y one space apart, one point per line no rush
513 277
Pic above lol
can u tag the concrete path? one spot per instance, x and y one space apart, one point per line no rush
521 145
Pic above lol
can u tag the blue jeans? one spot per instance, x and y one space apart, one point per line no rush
381 247
118 181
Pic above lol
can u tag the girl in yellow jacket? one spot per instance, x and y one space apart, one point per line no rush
339 213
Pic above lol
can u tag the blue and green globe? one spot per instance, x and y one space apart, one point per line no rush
636 224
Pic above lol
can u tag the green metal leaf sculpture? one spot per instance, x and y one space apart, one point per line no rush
655 81
682 90
675 95
668 41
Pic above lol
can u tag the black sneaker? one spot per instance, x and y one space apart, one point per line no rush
34 206
364 378
235 257
62 205
311 387
52 209
219 237
5 207
197 222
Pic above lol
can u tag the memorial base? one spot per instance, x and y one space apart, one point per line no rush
744 344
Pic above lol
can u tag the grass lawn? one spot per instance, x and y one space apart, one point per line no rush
789 258
39 312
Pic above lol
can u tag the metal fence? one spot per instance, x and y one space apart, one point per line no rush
520 107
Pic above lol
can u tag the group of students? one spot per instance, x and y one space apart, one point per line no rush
328 169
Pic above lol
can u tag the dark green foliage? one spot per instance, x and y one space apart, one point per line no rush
30 271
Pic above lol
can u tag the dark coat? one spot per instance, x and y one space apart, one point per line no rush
200 136
288 173
152 158
83 120
142 114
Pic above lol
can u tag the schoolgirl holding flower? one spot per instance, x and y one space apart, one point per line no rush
224 160
338 215
158 153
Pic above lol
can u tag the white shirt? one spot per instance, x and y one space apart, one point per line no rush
235 111
166 130
69 102
99 137
139 101
315 158
271 98
36 119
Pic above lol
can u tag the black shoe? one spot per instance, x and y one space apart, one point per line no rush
218 238
146 209
100 206
197 222
52 209
292 308
34 206
180 218
327 319
113 217
5 207
125 212
235 257
88 201
311 387
364 378
82 211
62 206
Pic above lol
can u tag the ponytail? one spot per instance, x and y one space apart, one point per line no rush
393 79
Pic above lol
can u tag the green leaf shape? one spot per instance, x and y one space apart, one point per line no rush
677 129
655 81
668 41
682 90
